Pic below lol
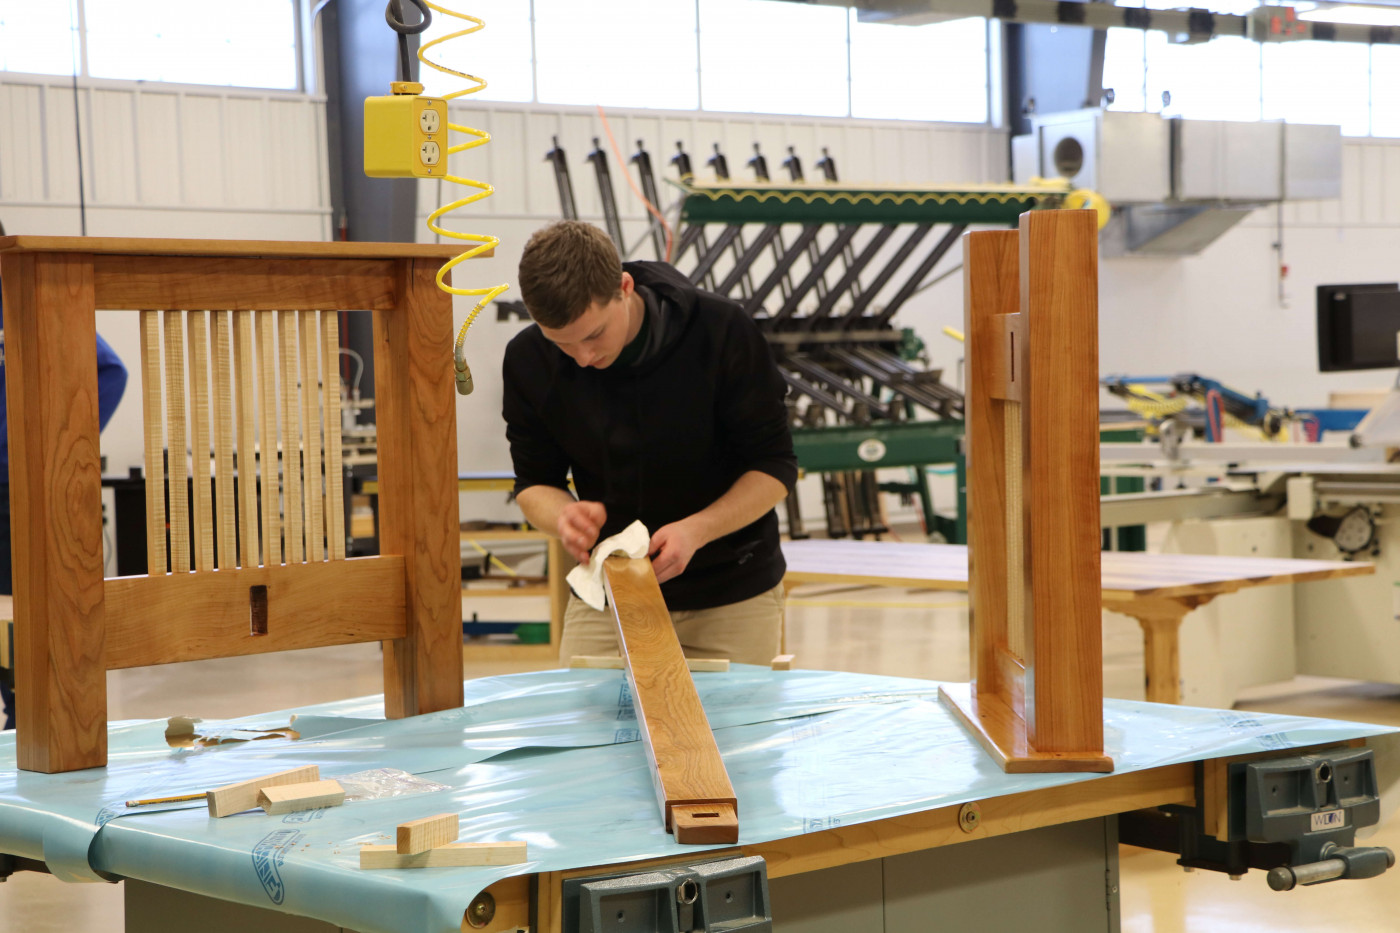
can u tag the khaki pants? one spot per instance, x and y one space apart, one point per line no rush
746 632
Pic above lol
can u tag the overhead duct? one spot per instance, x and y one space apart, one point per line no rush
1177 185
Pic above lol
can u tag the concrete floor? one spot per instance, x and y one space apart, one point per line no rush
879 631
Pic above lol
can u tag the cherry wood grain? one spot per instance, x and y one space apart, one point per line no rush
330 406
198 324
265 327
56 512
177 441
222 407
685 762
290 410
313 489
257 249
192 616
245 411
417 423
1060 476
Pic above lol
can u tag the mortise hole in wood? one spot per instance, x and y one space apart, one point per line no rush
1012 365
705 816
257 610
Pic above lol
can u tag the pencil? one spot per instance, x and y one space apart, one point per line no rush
176 799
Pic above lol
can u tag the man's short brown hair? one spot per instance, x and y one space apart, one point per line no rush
566 267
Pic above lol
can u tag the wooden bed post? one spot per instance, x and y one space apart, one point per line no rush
416 420
56 511
1031 300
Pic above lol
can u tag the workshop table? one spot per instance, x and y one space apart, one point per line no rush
871 806
1158 590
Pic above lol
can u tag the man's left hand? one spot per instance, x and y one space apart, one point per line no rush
672 547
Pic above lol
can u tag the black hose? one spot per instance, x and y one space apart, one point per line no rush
393 15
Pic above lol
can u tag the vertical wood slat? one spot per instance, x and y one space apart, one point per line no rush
226 553
335 493
1016 640
175 441
153 427
197 323
245 412
291 452
56 501
311 436
267 416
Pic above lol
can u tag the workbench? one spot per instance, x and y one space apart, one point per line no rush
553 758
1158 590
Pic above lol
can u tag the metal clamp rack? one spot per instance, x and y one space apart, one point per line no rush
823 269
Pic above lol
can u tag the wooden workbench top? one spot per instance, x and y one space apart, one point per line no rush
287 249
1126 575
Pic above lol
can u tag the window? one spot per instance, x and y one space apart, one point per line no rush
772 56
1215 80
621 53
932 72
1319 82
1385 78
1125 69
251 43
500 53
38 37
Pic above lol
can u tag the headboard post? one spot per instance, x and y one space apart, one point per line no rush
416 420
56 511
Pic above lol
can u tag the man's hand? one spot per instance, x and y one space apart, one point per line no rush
579 526
672 547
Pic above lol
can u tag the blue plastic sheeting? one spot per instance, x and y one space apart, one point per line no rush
554 759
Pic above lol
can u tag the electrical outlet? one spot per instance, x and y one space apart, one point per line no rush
405 134
429 151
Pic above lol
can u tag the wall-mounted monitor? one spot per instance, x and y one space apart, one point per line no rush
1358 327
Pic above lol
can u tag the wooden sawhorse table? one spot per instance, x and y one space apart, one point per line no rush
1156 589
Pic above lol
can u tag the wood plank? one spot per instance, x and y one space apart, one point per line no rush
330 394
244 284
560 563
694 665
685 762
314 490
427 833
187 617
198 324
269 467
293 798
455 855
990 290
243 795
1060 437
783 662
260 249
177 442
416 413
153 427
244 366
291 438
56 512
222 395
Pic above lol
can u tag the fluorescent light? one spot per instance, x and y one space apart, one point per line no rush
1354 13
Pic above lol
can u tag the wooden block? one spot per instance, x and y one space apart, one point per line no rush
783 662
153 424
309 795
705 824
428 833
235 798
685 762
695 665
453 855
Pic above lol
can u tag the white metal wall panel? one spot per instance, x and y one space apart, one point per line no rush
247 141
112 154
294 153
158 145
21 143
203 150
1353 186
508 163
61 143
1390 176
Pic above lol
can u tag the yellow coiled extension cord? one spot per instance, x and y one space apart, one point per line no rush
484 242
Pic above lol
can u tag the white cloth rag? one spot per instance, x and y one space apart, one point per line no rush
587 580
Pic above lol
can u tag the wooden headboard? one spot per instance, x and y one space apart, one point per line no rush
240 401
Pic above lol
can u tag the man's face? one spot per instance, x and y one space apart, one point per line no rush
599 335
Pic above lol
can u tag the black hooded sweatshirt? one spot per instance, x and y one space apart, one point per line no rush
665 438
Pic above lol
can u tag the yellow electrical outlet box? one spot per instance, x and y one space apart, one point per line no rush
405 134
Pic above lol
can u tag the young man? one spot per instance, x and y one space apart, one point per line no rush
665 403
